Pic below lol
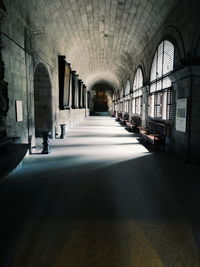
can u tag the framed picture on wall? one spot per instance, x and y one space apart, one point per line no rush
181 115
64 83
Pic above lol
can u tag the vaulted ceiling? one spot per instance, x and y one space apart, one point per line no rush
100 38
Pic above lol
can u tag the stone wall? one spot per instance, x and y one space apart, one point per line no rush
70 118
26 46
182 27
16 76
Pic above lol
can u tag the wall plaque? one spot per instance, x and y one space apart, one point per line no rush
181 115
19 110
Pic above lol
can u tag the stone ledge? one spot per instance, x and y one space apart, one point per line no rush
11 155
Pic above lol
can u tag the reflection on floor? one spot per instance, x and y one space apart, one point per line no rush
100 199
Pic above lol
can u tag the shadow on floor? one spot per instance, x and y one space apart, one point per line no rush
156 195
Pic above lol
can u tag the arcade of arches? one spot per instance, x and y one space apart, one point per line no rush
72 69
42 100
144 70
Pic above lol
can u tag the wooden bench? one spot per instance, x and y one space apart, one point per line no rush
118 116
154 134
134 123
124 118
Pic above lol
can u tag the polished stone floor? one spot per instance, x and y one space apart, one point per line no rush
100 199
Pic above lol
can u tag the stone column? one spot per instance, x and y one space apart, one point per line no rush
131 104
70 94
84 96
123 104
76 91
80 94
145 90
73 76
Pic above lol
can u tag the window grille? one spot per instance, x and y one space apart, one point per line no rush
157 105
141 104
166 83
138 81
169 104
168 53
150 105
159 70
133 106
163 61
160 87
137 105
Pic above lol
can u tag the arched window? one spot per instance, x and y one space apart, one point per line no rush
128 87
127 96
121 99
138 80
137 92
160 98
118 100
121 93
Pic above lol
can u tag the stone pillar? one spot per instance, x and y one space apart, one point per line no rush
84 96
46 146
123 104
145 90
186 142
76 91
81 95
131 104
70 86
87 99
62 135
73 99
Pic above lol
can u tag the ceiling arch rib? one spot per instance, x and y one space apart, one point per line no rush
102 77
100 36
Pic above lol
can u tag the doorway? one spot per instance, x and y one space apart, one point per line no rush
42 100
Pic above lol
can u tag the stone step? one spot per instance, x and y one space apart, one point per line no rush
104 113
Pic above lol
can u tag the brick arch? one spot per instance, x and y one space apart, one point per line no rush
42 100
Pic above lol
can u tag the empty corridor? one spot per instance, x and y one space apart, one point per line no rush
100 199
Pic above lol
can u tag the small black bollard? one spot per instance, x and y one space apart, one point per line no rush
46 147
30 144
62 135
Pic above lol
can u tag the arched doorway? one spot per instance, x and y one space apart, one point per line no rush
101 99
42 100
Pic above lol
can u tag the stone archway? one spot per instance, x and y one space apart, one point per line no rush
101 99
42 100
